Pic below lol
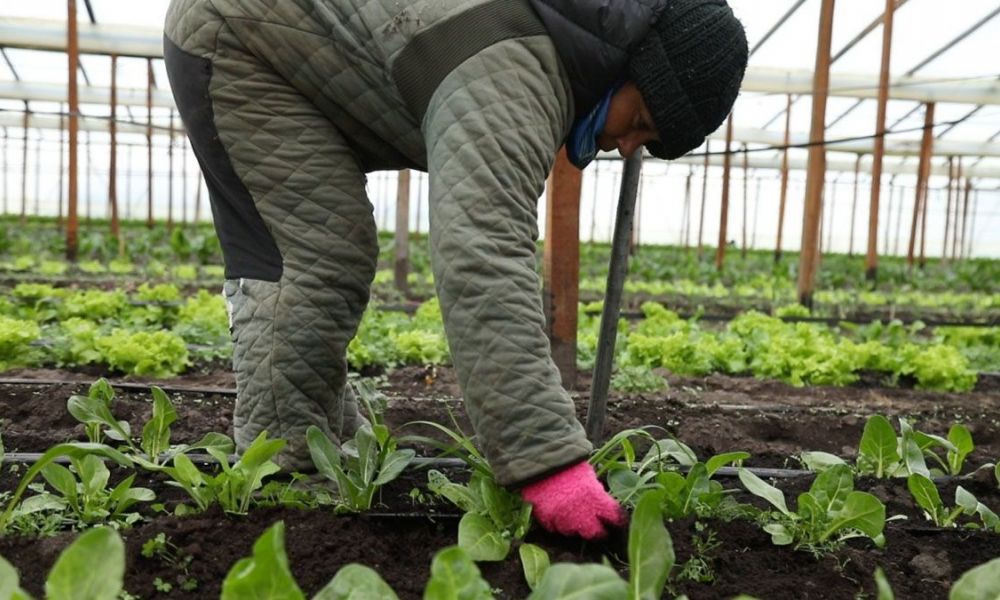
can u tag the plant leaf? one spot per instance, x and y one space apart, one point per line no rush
882 584
650 549
760 488
156 431
960 436
534 561
480 539
567 581
831 487
861 511
820 461
394 464
878 445
92 567
455 577
978 583
10 589
927 496
265 575
716 462
324 454
356 582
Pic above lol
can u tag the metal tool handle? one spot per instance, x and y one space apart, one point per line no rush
617 270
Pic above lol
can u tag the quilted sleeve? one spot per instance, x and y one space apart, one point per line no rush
493 128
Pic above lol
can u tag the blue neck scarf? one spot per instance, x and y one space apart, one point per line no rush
581 147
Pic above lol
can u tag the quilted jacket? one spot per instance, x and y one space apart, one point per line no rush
397 79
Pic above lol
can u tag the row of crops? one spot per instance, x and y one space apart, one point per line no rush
661 479
156 331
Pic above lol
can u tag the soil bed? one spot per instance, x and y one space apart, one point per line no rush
713 414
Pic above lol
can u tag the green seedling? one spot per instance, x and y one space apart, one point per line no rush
234 486
83 492
92 567
884 454
153 449
494 516
926 494
978 583
73 451
534 562
160 548
830 513
650 557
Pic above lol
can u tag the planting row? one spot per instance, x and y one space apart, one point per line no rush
154 331
661 479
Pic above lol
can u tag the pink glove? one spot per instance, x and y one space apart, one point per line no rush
573 502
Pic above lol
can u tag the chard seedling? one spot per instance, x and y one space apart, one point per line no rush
827 515
234 486
650 554
978 583
884 454
160 548
83 492
494 516
926 494
154 449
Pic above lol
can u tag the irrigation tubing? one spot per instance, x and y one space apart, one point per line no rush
456 463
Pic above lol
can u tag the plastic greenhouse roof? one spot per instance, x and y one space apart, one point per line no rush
921 28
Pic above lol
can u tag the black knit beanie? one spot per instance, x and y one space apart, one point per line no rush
688 70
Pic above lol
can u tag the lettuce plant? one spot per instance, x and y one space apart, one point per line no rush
828 514
15 339
154 353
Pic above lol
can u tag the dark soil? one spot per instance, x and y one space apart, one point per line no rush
714 414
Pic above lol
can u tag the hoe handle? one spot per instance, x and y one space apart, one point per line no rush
613 297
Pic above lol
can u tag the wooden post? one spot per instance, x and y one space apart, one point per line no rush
184 179
746 200
38 174
24 165
854 204
5 167
401 241
923 230
87 174
720 251
888 215
947 212
923 172
62 165
899 221
561 264
756 206
704 196
816 173
871 260
113 166
830 207
128 183
73 56
784 179
170 172
972 225
593 205
965 219
149 141
686 214
958 189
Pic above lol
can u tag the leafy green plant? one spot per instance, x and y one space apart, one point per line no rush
830 513
234 486
650 558
637 380
92 567
15 337
160 548
83 492
72 451
366 463
883 454
153 449
154 353
926 495
978 583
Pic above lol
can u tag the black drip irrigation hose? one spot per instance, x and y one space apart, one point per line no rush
456 463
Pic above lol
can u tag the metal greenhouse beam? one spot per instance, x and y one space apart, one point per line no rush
89 94
815 176
401 240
